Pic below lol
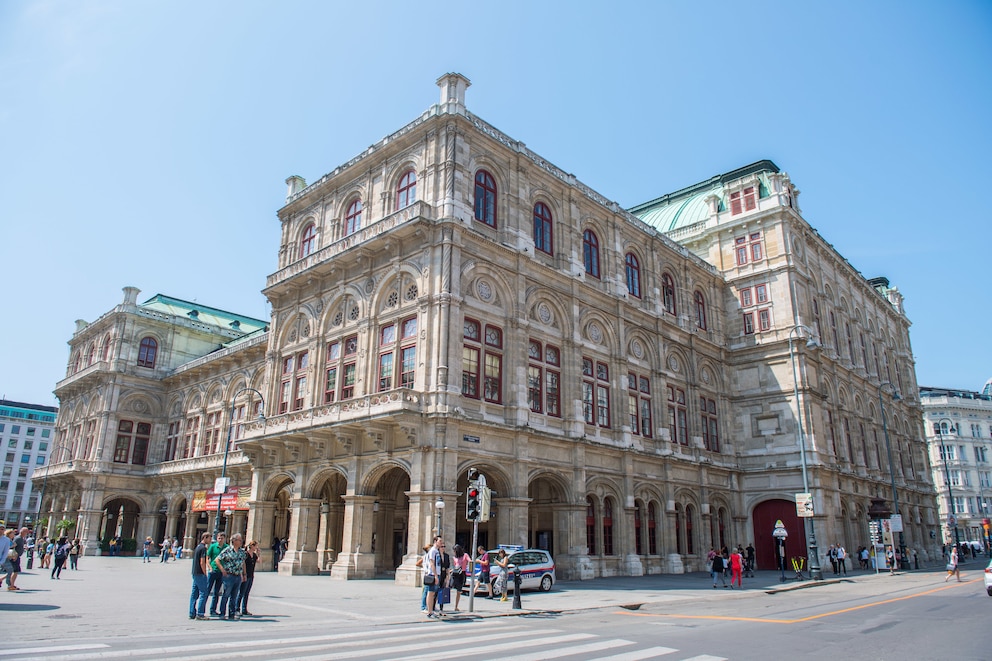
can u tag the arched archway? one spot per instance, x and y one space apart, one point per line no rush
547 515
330 490
764 517
121 520
390 514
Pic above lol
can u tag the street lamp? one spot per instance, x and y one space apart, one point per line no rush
44 483
227 446
439 509
947 478
780 534
814 560
892 473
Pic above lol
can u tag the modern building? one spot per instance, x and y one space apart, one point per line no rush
958 425
26 437
636 386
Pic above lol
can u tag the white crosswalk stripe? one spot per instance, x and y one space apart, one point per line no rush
508 640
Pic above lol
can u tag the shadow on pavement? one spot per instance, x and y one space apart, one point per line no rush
27 608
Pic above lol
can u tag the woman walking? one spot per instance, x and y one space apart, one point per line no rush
74 552
484 577
61 555
952 566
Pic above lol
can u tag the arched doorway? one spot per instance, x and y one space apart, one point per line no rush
121 520
764 517
330 537
548 497
391 514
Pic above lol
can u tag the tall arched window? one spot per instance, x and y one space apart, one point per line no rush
679 546
690 536
105 355
652 529
608 527
590 253
91 355
590 526
485 198
668 293
638 528
700 310
543 232
633 275
353 218
406 190
147 352
308 240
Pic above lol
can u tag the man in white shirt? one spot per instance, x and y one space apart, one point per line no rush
432 573
842 559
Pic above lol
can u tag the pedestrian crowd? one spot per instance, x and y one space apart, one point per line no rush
224 573
736 564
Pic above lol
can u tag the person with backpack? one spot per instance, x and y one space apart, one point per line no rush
61 555
716 569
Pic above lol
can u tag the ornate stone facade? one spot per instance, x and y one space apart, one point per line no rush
448 299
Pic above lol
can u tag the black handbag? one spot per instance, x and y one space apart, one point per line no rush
429 579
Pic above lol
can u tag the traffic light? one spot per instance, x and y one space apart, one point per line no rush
485 503
472 503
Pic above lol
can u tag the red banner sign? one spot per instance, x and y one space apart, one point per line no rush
235 498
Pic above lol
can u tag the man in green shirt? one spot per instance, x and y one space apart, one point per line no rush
216 577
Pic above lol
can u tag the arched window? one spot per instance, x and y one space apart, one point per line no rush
543 232
75 363
652 529
638 528
147 351
485 198
353 219
668 293
590 253
690 538
406 190
633 275
700 310
590 526
91 355
679 546
608 527
105 355
308 240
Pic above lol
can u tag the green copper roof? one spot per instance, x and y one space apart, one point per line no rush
688 206
203 314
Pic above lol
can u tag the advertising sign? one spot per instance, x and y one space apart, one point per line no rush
804 505
234 498
896 522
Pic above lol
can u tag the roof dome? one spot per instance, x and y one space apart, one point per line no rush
987 390
681 212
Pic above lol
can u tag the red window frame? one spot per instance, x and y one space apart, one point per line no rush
485 198
308 239
710 424
471 357
211 432
142 435
757 251
740 249
353 218
595 392
406 190
639 404
590 525
590 253
700 310
749 323
172 438
122 448
492 384
677 415
652 529
147 353
332 360
349 369
543 229
608 526
633 272
764 320
668 294
745 295
638 542
761 293
191 437
544 378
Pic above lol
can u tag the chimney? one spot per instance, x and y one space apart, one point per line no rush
294 185
131 295
80 324
453 86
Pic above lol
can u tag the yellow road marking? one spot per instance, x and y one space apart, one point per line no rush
734 618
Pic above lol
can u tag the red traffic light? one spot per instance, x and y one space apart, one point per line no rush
473 493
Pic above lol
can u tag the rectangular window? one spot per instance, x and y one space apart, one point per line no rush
639 404
140 455
748 323
749 202
764 319
191 437
757 251
491 361
709 425
385 371
543 378
122 449
331 372
408 365
740 249
348 383
761 293
746 297
171 441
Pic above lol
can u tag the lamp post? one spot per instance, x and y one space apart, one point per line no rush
953 520
814 557
780 534
44 484
439 511
227 447
892 474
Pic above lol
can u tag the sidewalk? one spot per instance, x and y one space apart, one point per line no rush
125 597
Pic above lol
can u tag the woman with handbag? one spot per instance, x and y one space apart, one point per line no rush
459 569
952 566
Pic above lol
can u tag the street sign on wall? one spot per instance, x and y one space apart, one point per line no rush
235 498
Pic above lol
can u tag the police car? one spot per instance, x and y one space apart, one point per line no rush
536 567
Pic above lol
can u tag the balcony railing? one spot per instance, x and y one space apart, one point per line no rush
401 217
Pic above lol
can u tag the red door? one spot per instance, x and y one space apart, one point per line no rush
765 515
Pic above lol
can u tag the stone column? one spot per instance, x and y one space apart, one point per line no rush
301 557
89 530
261 515
571 519
146 528
189 537
632 565
356 559
420 531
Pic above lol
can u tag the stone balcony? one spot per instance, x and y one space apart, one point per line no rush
377 405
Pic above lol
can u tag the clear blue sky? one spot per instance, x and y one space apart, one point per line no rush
146 143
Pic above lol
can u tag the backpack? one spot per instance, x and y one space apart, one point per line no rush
61 552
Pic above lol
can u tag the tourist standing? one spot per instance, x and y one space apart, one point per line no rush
484 576
459 570
201 580
231 563
29 547
737 569
276 553
146 550
216 575
432 572
842 559
75 551
716 569
503 562
166 547
251 559
61 555
6 561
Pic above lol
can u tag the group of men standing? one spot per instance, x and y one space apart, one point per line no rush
225 572
838 558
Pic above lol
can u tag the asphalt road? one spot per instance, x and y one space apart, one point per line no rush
121 608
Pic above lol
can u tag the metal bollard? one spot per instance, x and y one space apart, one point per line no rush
516 589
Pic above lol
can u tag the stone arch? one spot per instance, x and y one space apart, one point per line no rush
598 331
406 277
642 350
545 309
763 517
482 285
121 517
550 501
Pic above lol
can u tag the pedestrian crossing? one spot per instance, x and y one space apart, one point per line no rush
429 641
